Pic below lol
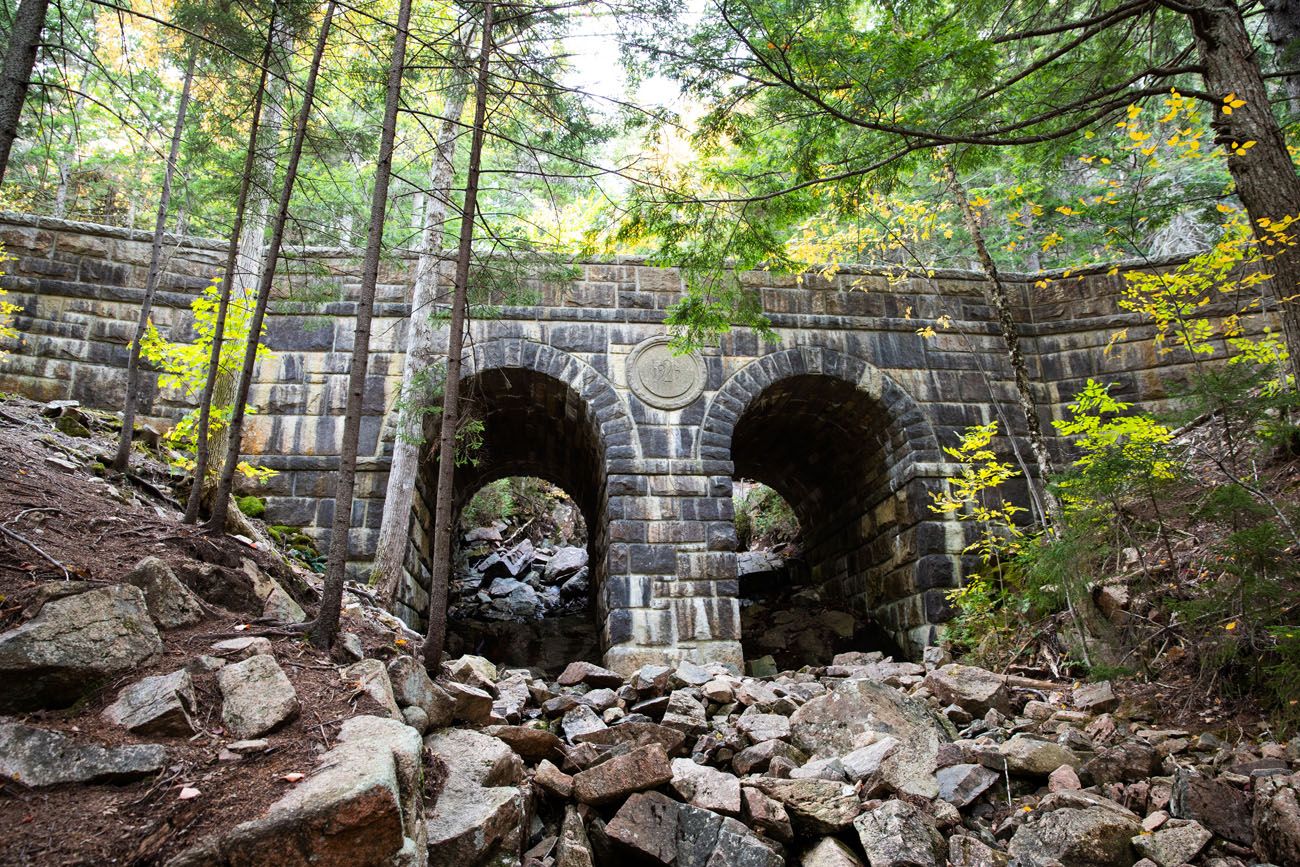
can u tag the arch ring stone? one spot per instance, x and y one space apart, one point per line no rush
663 379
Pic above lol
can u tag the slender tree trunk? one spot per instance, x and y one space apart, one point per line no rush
1284 35
122 460
1264 174
221 501
394 529
442 529
327 621
995 293
20 58
227 282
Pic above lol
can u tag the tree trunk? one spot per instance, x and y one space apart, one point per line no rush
327 620
1264 174
221 501
443 513
122 460
394 529
995 293
20 58
228 279
1284 35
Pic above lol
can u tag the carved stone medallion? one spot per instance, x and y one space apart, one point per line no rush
662 378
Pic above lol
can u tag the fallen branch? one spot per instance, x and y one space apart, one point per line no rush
37 548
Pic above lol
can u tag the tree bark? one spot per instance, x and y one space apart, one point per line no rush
227 282
394 529
443 513
122 460
327 620
20 58
1284 35
221 501
995 293
1264 175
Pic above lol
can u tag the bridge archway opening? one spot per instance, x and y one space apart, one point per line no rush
519 422
828 449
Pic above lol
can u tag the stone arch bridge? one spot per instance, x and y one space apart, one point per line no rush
845 414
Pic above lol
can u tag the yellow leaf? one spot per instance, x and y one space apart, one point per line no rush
1231 626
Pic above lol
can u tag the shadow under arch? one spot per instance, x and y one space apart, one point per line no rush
854 455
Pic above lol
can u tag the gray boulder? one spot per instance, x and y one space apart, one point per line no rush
563 563
960 785
654 828
1032 757
815 806
480 812
256 697
1075 830
897 834
1175 843
36 757
73 645
706 787
159 705
413 688
369 676
973 689
170 603
829 852
685 714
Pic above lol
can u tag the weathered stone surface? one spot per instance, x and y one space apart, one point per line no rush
480 811
836 723
413 688
1080 835
643 768
636 734
371 677
685 714
170 603
815 806
573 848
475 759
960 785
1121 763
973 689
654 827
566 560
474 671
590 674
256 697
37 757
1063 779
530 742
276 603
159 705
1174 844
829 852
758 757
965 851
1220 807
761 727
72 645
553 780
709 788
242 648
582 720
470 704
363 805
765 815
897 834
1276 821
1033 757
1095 697
867 761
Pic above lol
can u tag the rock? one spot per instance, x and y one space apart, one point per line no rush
636 734
719 691
36 757
685 714
897 834
829 852
573 847
363 805
276 603
1276 822
1095 698
643 768
764 726
564 562
531 743
480 811
705 787
159 705
483 534
651 679
416 718
820 769
653 827
688 673
765 815
1031 757
369 676
867 761
960 785
351 647
553 780
256 697
470 704
599 700
580 721
1173 846
475 759
474 671
966 851
1220 807
73 645
855 713
243 648
973 689
1063 779
413 688
759 757
763 666
815 806
1123 763
170 603
1075 836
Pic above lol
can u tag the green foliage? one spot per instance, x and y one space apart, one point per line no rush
252 506
764 518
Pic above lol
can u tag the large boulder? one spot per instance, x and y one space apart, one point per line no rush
363 806
1074 830
856 713
1277 819
1218 805
412 687
37 757
961 784
897 834
73 645
643 768
973 689
158 705
563 563
170 603
256 697
706 787
369 676
1033 757
654 828
815 806
480 811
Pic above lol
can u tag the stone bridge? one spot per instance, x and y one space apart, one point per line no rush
845 414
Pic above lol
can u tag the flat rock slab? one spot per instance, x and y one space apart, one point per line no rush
590 674
36 757
155 705
654 827
815 806
257 697
73 645
530 743
706 787
643 768
636 734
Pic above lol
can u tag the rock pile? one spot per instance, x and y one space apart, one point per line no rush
516 581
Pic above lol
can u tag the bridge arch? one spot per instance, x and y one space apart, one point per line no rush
852 453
